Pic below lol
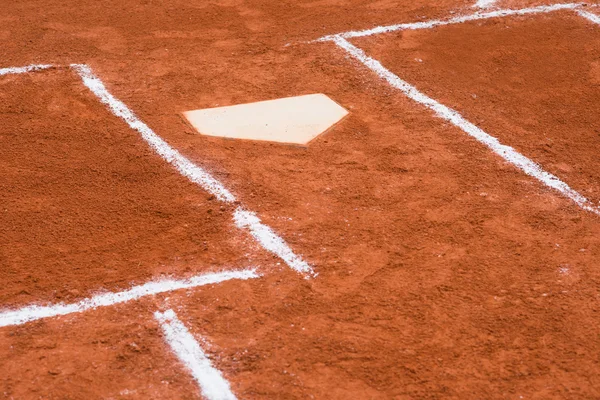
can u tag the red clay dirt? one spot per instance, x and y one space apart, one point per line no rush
86 205
530 82
443 272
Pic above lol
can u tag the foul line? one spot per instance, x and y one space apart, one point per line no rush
186 348
508 153
455 20
35 312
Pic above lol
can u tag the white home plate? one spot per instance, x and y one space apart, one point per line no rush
290 120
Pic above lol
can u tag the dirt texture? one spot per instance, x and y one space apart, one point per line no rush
87 205
530 82
443 271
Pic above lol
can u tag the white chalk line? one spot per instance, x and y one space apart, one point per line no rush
169 154
589 16
484 3
25 69
270 241
36 312
506 152
186 167
212 383
455 20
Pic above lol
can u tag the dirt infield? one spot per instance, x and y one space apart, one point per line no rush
443 271
86 203
517 79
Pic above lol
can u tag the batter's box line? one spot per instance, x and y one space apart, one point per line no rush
212 383
187 349
36 312
456 20
508 153
266 237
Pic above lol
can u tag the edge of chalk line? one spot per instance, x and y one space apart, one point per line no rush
189 352
36 312
450 21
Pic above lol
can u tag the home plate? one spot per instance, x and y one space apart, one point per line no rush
295 120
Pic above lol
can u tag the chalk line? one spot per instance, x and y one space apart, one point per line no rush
484 3
169 154
186 167
188 350
455 20
270 241
35 312
25 69
589 16
506 152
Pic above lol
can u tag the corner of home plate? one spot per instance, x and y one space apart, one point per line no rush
293 120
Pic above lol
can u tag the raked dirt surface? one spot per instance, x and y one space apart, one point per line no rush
443 272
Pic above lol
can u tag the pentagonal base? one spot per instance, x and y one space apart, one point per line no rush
295 120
